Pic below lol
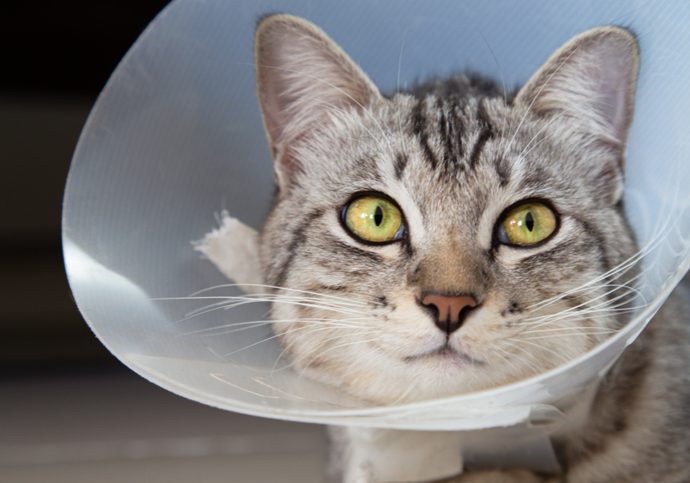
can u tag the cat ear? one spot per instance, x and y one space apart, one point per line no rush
301 76
590 82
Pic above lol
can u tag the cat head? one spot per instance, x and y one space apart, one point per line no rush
449 240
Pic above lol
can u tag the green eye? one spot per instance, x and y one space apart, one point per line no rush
373 219
527 224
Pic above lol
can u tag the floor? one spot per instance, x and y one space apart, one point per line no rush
119 428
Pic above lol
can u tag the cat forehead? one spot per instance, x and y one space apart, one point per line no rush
437 148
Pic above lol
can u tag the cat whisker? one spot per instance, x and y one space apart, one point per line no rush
345 300
608 301
527 147
286 347
537 320
508 356
254 344
236 301
498 66
289 345
618 309
273 337
585 314
591 335
292 396
338 346
536 96
575 329
403 395
522 156
628 294
220 378
534 364
234 305
262 298
561 336
242 326
590 285
612 274
605 300
397 83
563 358
605 311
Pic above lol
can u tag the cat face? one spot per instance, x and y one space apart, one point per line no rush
448 240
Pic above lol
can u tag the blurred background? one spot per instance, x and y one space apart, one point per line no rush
69 411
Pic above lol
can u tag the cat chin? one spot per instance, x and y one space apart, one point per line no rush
424 378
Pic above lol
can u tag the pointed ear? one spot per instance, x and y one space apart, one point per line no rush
590 81
301 76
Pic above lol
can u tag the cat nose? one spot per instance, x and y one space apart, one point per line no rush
451 310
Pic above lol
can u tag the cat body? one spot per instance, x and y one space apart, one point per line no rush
457 238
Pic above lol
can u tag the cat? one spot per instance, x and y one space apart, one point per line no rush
450 235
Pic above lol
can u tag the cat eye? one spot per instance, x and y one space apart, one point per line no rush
527 224
373 218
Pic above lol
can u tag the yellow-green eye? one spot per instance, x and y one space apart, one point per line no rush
373 219
527 224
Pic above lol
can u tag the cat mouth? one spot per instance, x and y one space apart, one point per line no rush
445 352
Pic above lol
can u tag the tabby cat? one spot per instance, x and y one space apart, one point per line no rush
452 234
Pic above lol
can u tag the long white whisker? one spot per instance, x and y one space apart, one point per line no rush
400 58
232 302
536 96
310 360
498 65
242 326
559 356
565 315
568 335
508 355
338 346
347 300
266 339
628 290
611 274
567 329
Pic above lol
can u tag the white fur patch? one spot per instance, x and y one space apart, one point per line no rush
233 248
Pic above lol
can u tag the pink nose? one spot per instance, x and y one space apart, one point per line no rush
451 310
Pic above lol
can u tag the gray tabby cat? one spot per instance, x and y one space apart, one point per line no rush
451 235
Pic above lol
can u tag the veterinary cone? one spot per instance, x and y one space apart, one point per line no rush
176 136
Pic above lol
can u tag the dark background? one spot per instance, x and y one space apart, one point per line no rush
69 411
55 57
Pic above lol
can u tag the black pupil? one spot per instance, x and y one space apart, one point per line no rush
378 216
529 221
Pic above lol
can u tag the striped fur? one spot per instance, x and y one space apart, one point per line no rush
454 154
